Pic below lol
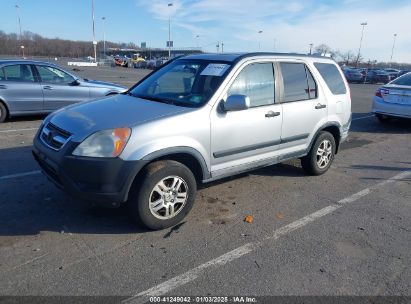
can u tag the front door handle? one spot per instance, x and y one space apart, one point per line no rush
47 88
272 114
320 106
3 87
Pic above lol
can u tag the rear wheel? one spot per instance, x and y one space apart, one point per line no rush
164 195
382 118
321 155
3 112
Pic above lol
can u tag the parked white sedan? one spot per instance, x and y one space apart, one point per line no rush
393 99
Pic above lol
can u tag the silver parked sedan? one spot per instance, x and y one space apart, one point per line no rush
393 99
34 87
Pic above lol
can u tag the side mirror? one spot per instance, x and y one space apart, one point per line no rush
236 103
75 82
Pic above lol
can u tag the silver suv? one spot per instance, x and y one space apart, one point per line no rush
197 119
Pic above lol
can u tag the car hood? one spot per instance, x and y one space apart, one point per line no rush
102 84
83 119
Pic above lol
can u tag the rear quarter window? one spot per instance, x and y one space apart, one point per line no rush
332 77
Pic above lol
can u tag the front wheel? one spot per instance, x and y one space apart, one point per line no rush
321 155
164 195
3 112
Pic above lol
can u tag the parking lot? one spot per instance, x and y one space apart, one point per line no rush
347 232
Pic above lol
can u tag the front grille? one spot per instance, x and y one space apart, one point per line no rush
54 137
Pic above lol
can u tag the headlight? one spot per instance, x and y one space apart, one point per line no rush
107 143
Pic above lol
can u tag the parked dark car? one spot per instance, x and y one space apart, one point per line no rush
377 76
35 87
353 75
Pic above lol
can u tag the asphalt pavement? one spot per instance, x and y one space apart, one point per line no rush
346 232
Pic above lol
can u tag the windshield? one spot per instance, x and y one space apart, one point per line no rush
188 83
403 80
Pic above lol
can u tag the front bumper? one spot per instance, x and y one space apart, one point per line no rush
105 181
379 106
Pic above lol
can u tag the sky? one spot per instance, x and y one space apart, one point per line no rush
287 26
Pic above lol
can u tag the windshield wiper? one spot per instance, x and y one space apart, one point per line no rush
152 98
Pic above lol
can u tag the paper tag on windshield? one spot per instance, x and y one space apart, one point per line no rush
215 69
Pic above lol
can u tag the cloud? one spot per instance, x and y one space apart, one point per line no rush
293 25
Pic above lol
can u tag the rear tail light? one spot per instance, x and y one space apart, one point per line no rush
378 93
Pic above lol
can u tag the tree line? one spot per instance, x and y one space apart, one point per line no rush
36 45
353 59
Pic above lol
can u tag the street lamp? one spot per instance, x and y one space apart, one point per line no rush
169 32
197 36
311 48
392 50
94 32
363 24
259 42
21 37
104 36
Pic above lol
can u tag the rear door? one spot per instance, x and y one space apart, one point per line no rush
20 89
303 107
58 88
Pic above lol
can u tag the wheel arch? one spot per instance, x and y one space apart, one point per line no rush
185 155
332 127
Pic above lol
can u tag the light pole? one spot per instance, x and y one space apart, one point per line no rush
197 36
259 42
392 50
104 36
311 48
94 32
363 24
169 32
21 37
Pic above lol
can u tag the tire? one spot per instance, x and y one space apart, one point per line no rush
3 112
156 186
314 164
382 118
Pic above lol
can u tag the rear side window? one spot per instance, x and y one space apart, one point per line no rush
1 74
332 77
257 82
403 80
299 84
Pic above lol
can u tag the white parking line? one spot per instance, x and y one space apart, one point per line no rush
194 273
364 117
18 130
19 175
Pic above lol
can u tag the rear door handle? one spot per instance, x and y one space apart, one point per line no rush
3 87
320 106
47 88
272 114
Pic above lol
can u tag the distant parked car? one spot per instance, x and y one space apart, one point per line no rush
354 75
393 73
393 99
377 76
34 87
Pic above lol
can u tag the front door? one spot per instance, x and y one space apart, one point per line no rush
240 138
58 88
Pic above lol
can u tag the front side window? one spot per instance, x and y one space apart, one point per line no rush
189 83
18 72
257 82
53 75
2 74
332 77
299 84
